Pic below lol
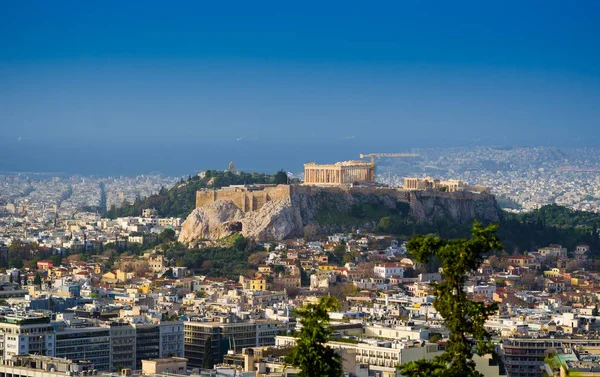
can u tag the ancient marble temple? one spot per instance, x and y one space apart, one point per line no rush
340 173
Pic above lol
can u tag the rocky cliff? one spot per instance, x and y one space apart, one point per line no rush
289 217
461 207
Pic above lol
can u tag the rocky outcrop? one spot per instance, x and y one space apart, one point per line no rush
460 207
276 220
288 217
212 221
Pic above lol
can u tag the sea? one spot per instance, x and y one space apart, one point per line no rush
180 158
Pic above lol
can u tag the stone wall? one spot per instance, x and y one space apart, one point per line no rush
252 200
425 205
245 200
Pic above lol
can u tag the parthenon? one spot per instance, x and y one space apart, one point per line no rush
340 173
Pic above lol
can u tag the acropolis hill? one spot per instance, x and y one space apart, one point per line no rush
268 213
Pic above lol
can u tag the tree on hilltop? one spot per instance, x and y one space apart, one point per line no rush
281 178
464 318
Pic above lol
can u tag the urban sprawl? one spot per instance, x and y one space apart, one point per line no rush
81 294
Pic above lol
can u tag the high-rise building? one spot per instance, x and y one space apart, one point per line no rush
147 343
207 342
91 343
171 339
26 334
123 345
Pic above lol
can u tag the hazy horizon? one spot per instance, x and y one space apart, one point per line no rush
175 160
276 84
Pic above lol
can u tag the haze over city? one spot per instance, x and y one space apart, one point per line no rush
142 87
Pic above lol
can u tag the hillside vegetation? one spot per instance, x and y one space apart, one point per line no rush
518 232
180 200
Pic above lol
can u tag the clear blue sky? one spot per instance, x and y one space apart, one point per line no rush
456 72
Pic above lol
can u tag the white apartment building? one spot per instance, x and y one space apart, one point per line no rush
387 270
25 334
171 339
486 290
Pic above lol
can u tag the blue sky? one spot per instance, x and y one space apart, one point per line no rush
421 72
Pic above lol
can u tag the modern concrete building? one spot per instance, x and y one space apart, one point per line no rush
147 343
171 339
123 345
25 334
382 357
207 342
170 365
44 366
524 357
91 343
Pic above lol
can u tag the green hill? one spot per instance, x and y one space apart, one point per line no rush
180 200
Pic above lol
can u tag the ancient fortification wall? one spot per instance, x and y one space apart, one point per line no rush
245 200
252 200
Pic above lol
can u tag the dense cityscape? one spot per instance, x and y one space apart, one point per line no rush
298 189
112 294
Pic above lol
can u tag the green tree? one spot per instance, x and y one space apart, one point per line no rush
463 317
167 235
207 360
311 354
386 225
281 178
15 262
240 242
37 280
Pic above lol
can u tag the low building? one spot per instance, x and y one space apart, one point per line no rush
387 270
553 250
46 366
169 365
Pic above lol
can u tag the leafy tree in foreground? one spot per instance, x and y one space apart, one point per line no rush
463 317
311 355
